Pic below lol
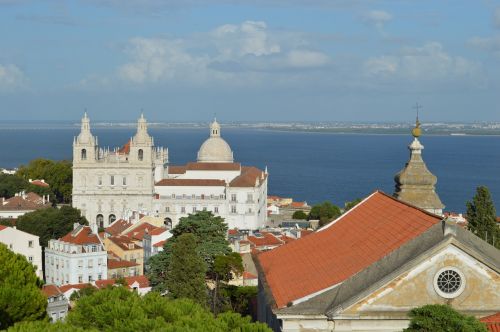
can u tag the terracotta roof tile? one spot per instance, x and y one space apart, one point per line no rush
51 290
143 282
81 235
139 232
248 177
116 264
362 236
31 201
492 322
176 169
65 288
39 183
117 227
191 182
125 149
124 242
2 227
267 239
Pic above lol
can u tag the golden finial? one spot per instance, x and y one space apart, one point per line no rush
417 131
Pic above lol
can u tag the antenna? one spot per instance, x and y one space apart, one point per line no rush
417 107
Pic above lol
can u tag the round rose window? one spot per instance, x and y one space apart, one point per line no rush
449 282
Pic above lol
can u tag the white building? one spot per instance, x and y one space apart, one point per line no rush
109 184
78 257
25 244
214 183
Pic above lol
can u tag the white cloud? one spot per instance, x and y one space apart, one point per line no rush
11 77
250 37
377 18
227 52
427 63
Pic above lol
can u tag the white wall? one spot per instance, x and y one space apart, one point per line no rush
25 244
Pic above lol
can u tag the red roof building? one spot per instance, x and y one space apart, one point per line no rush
365 234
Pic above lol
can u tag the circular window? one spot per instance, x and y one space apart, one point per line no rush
449 282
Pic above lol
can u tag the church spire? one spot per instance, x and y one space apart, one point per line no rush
85 136
215 129
142 136
415 184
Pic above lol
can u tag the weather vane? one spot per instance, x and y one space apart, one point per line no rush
417 131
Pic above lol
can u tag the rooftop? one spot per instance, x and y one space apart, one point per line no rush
371 230
81 235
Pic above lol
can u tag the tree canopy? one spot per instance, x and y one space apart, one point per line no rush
187 271
481 217
118 309
20 296
351 204
210 232
442 318
58 174
300 215
50 223
324 212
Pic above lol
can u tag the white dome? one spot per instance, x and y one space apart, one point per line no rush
215 149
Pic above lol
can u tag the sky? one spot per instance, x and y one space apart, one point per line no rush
255 60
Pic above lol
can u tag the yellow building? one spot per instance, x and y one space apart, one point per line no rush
126 249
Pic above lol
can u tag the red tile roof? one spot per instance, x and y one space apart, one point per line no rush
40 183
118 226
176 169
139 232
65 288
82 235
492 322
213 166
374 228
191 182
159 244
30 201
2 227
51 290
298 205
267 239
116 264
124 242
125 149
142 280
248 177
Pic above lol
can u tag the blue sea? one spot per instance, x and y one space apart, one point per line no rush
306 166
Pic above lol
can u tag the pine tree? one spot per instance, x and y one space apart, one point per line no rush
20 296
481 217
187 270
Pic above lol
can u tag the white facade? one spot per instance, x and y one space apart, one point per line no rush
25 244
108 185
76 258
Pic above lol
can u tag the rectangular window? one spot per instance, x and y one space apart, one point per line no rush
90 279
183 209
80 263
216 209
194 209
99 276
233 197
99 181
30 259
90 263
80 279
204 208
30 244
250 198
173 195
167 209
221 196
112 180
124 181
233 208
99 262
11 246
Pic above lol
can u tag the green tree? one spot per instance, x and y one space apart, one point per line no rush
187 271
481 217
20 296
210 232
301 215
50 223
224 268
118 309
58 174
86 291
46 326
240 298
442 318
324 212
351 204
11 184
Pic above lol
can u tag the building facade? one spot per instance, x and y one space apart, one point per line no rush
57 303
78 257
25 244
214 183
110 184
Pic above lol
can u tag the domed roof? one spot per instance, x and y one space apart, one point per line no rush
215 149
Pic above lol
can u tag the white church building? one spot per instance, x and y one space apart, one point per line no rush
112 184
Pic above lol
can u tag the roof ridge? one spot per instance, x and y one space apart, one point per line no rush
409 204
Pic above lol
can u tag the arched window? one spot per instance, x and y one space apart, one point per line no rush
84 154
100 220
111 218
140 154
